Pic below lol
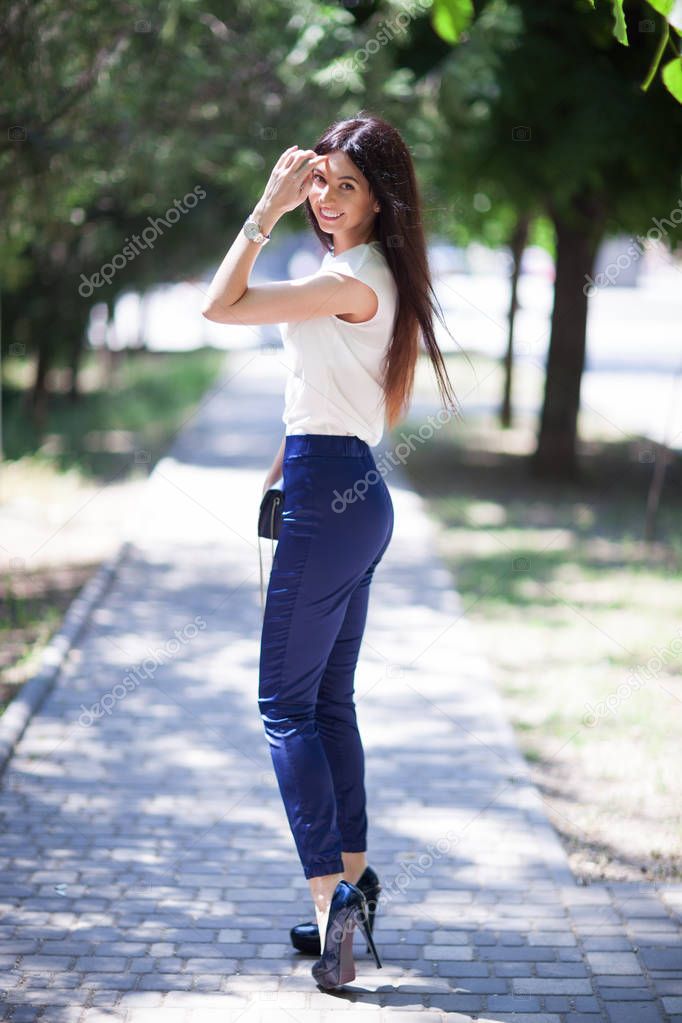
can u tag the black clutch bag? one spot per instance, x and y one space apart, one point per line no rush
270 523
270 513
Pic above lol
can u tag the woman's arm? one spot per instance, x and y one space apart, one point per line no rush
231 300
305 298
232 278
286 189
275 470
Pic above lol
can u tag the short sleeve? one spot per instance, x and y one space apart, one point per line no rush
361 265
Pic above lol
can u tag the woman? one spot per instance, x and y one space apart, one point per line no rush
351 334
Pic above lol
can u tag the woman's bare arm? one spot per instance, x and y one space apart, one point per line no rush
327 293
230 299
275 470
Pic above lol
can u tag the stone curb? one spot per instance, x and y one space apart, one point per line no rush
31 695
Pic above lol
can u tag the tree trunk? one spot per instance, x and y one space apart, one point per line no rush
556 451
75 363
518 244
663 458
36 402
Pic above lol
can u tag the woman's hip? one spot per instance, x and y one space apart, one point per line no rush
333 491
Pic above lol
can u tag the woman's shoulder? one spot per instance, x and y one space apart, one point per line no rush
368 264
368 258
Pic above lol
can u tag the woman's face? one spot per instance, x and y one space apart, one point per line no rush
342 201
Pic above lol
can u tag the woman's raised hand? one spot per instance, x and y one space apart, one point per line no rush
291 179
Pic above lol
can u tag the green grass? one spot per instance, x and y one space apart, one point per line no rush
126 418
32 607
137 408
568 600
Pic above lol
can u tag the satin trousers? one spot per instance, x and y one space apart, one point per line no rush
336 525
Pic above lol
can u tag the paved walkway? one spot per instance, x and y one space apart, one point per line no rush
148 869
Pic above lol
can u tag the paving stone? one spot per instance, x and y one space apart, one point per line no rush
572 1003
140 998
24 1014
484 985
94 1014
580 1017
164 823
513 970
551 986
443 952
164 982
634 1012
46 963
104 964
526 1017
461 970
512 1003
511 954
669 986
662 958
553 938
586 1003
455 1003
626 994
164 1015
561 970
614 962
621 980
610 943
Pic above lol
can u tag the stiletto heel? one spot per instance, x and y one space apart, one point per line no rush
371 909
347 908
362 917
306 937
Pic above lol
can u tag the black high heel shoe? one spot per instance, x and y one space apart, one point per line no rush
306 937
348 907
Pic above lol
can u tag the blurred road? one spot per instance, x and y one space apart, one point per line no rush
633 370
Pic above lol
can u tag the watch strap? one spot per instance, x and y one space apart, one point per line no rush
263 236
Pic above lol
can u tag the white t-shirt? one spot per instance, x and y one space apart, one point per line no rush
334 367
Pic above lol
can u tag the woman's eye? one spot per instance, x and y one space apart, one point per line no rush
318 177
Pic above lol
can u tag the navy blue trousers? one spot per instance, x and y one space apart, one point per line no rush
337 522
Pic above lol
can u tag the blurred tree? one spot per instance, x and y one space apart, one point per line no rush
115 114
514 100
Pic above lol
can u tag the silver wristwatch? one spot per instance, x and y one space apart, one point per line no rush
253 232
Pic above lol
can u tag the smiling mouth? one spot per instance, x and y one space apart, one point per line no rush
330 216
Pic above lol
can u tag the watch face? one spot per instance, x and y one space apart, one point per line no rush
251 230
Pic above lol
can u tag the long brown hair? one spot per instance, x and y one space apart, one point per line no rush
378 150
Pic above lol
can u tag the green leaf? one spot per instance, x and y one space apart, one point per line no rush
662 43
675 16
449 18
672 78
619 29
663 7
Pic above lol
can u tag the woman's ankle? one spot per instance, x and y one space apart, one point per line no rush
322 889
354 864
